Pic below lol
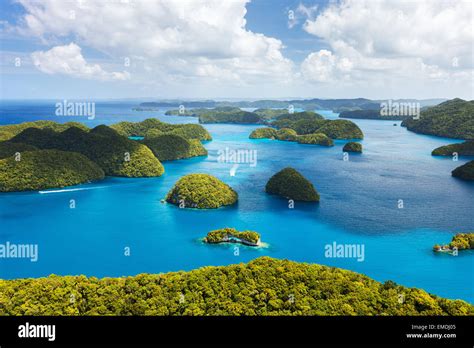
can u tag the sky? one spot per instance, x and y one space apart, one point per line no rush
236 49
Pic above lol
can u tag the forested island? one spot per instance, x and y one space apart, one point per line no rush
231 235
452 119
202 191
45 154
290 184
461 241
371 114
462 149
352 147
465 171
264 286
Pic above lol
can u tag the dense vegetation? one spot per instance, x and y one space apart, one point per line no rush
230 115
8 148
168 147
290 184
461 241
463 149
286 134
371 115
201 191
264 286
335 129
9 131
453 119
352 147
231 235
270 114
115 154
315 139
465 172
263 133
42 169
141 129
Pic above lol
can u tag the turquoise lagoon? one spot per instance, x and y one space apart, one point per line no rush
359 205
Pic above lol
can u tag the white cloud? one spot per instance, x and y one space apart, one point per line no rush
68 60
397 39
203 40
302 12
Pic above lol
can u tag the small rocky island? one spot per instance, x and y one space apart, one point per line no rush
461 241
464 172
462 149
231 235
352 147
290 184
201 191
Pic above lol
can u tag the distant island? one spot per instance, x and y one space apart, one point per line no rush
464 172
290 184
201 191
264 286
231 235
308 128
371 115
336 105
461 241
451 119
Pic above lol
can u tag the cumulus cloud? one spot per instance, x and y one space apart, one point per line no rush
68 60
172 40
405 39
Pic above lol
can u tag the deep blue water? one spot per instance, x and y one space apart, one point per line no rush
359 204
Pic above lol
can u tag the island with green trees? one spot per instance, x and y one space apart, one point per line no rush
202 191
290 184
263 133
461 241
465 171
231 235
169 147
352 147
264 286
44 169
372 114
452 119
9 131
461 149
315 139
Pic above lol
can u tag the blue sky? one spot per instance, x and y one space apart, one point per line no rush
235 49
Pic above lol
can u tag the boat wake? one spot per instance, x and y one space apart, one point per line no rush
71 190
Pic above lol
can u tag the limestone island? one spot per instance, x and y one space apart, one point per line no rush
231 235
464 172
168 147
352 147
308 127
290 184
201 191
463 149
461 241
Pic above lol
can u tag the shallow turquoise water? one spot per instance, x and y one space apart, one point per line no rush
359 201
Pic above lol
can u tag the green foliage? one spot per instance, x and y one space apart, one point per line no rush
341 129
463 149
229 115
42 169
297 116
114 153
373 114
315 139
465 172
8 148
286 134
453 119
303 127
352 147
9 131
264 286
463 241
167 147
266 132
291 184
227 234
269 114
201 191
142 129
